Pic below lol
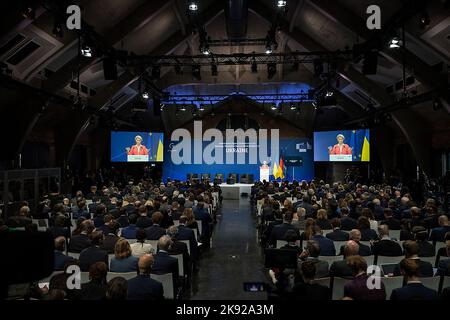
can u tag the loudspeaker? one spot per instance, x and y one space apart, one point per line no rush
250 179
109 68
156 107
243 178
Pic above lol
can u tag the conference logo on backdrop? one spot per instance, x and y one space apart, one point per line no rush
242 145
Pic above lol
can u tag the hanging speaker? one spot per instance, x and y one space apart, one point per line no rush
109 68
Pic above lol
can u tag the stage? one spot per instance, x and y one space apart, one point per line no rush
234 191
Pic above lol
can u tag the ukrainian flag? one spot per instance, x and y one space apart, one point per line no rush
160 151
365 154
275 170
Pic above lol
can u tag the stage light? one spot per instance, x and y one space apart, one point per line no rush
86 51
273 106
145 95
424 20
292 106
329 93
196 72
193 6
281 3
395 43
29 13
214 71
183 108
206 51
271 70
201 107
254 66
269 49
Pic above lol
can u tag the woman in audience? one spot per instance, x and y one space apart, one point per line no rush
174 211
95 289
139 248
363 225
117 289
322 220
190 223
366 212
309 229
123 261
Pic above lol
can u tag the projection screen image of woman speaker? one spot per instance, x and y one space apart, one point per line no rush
138 149
352 145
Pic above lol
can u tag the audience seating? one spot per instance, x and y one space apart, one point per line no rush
125 275
431 282
110 257
431 260
154 243
187 244
338 245
41 223
445 283
331 259
369 259
380 260
84 277
180 264
391 283
325 232
131 241
323 282
74 255
439 245
395 234
167 283
338 287
281 243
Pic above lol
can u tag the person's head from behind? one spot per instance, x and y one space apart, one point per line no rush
387 213
24 211
317 230
415 212
142 210
411 248
157 217
287 217
383 231
409 268
291 236
60 243
443 221
363 223
308 270
87 226
355 235
164 243
336 223
96 238
133 219
122 250
357 264
312 248
351 248
97 272
141 235
172 232
117 289
183 220
145 264
420 233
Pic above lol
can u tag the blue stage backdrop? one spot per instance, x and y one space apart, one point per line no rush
120 140
358 140
296 153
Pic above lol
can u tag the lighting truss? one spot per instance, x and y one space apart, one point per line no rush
238 58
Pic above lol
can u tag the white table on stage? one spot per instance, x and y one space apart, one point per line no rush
234 191
341 157
137 158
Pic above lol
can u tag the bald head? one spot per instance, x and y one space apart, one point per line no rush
443 220
164 243
351 248
60 243
145 263
355 235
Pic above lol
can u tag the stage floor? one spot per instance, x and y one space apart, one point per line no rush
234 191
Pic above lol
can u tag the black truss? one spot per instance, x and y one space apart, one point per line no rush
205 99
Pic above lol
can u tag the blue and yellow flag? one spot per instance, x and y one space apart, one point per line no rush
365 154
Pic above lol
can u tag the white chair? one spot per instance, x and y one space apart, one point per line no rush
180 264
330 259
125 275
439 245
338 287
325 232
446 282
281 243
154 243
131 241
391 283
367 243
75 255
110 257
388 260
41 223
323 282
199 223
431 260
431 282
84 277
338 245
167 283
369 259
188 245
395 234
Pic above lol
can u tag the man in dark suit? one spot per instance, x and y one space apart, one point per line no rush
185 233
357 289
411 249
326 245
385 246
179 247
155 231
81 211
311 253
110 239
347 222
123 218
100 212
20 220
307 290
341 268
142 287
129 232
444 264
81 241
390 221
93 254
426 249
438 233
337 234
59 229
96 288
164 263
60 258
364 250
279 230
306 204
143 221
201 214
414 289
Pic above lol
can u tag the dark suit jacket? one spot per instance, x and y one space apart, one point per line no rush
60 260
143 287
91 291
340 269
279 232
337 235
444 267
348 223
392 223
203 216
18 221
425 269
185 233
388 248
79 242
308 291
437 234
324 224
129 232
92 255
357 290
368 234
414 291
179 247
143 222
60 231
164 263
326 245
155 232
426 249
109 243
123 221
322 267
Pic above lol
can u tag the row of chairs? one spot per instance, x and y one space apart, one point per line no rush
390 283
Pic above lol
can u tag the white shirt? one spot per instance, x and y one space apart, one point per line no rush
138 249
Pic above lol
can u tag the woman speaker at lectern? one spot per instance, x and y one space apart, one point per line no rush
340 147
138 149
